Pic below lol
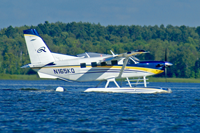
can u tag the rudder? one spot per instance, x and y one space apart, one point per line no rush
38 51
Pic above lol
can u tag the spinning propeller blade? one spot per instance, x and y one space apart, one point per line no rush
166 54
167 64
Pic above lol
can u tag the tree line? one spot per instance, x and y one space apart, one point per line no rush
182 44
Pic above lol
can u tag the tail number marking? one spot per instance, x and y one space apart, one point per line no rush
63 71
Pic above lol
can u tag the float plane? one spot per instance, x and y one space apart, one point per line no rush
92 66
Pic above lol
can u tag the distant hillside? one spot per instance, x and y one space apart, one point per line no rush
182 44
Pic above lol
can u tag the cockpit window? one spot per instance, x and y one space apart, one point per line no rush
130 61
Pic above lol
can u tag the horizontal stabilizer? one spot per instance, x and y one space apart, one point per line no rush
38 65
26 66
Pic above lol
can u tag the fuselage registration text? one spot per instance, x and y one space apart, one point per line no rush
64 71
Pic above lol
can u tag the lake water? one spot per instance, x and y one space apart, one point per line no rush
35 106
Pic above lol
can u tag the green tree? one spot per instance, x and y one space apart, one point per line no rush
10 31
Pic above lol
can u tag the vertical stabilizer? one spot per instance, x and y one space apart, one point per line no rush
38 51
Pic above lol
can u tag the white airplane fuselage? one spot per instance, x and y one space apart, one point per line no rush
72 70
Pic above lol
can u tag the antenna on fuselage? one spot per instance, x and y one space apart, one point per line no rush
87 55
113 53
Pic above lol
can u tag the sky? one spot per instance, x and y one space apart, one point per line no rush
106 12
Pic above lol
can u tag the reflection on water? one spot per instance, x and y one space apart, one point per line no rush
35 106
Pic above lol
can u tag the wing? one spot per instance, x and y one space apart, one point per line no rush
125 56
132 53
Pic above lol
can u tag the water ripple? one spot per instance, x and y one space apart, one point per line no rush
35 106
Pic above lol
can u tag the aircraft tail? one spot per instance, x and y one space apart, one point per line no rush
38 51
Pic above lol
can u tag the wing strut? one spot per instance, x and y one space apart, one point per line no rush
123 67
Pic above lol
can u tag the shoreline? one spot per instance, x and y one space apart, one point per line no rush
151 79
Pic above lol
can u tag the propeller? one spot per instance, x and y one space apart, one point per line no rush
166 54
167 64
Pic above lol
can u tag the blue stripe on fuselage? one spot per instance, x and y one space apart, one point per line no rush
150 64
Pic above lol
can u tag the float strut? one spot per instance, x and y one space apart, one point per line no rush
111 79
145 83
128 81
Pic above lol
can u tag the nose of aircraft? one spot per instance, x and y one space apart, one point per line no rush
168 64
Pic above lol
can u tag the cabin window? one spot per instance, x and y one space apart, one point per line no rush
103 63
83 65
114 62
94 64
